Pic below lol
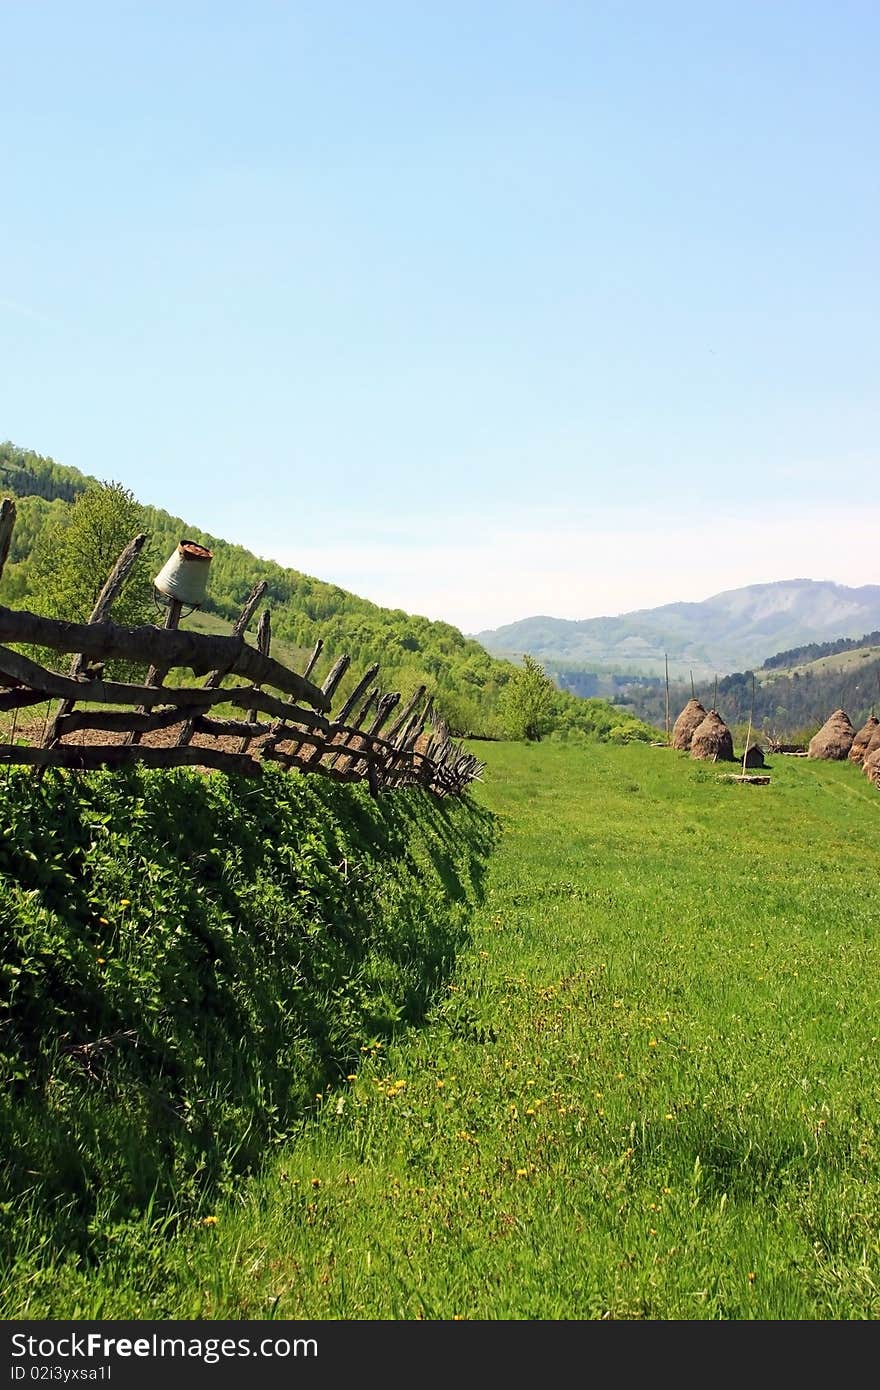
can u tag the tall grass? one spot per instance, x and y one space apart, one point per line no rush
649 1091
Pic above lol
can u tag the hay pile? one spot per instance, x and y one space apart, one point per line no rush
686 725
712 740
834 739
871 760
862 739
754 756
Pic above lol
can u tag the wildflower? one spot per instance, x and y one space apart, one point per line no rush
125 902
522 1172
352 1076
653 1042
316 1182
751 1276
209 1221
104 922
101 960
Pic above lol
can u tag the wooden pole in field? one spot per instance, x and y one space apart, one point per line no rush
749 734
666 659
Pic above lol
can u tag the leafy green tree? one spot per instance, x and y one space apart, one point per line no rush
526 705
74 556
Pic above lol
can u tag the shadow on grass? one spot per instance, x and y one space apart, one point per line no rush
187 960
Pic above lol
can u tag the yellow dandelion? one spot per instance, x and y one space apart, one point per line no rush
209 1221
125 902
101 960
522 1172
104 921
653 1042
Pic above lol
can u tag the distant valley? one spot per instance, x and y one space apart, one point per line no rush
730 631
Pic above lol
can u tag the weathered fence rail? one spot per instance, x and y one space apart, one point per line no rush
352 744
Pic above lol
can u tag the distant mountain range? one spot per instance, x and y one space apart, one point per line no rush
731 631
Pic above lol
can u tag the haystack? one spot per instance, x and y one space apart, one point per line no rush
754 756
713 740
862 739
871 767
872 745
685 725
834 739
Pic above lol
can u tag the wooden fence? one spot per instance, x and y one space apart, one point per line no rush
369 737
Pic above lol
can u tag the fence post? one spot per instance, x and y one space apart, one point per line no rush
104 602
7 521
264 641
217 675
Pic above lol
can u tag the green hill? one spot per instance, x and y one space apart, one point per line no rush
789 701
464 679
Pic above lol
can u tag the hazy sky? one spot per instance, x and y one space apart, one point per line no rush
479 310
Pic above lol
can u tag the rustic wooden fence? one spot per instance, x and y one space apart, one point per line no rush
369 737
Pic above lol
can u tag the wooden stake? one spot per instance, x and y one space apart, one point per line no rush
316 652
749 734
7 521
157 674
666 659
101 611
264 642
215 677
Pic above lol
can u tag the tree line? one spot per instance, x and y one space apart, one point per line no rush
70 529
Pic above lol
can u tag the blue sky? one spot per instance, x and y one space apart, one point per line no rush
479 310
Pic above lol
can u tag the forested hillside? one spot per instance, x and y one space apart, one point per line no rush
467 683
786 703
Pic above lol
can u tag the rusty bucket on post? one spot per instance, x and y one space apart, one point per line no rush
184 576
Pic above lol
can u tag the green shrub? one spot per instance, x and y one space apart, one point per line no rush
186 960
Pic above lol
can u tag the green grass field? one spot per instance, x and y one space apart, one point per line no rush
650 1091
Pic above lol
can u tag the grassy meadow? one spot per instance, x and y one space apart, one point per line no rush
648 1090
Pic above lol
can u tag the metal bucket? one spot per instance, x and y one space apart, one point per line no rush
184 576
